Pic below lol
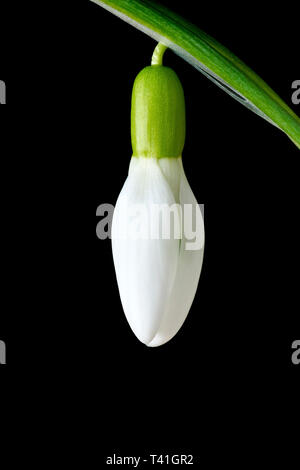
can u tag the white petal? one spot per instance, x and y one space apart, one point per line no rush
187 277
145 268
172 171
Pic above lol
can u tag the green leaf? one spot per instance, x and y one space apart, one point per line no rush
209 57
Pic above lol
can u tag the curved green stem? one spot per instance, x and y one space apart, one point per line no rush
158 54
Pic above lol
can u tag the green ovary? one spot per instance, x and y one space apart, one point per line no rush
157 114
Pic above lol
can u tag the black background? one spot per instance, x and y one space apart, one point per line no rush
66 150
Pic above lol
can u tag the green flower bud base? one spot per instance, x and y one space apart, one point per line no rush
157 111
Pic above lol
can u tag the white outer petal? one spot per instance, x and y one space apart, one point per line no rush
145 269
186 281
172 171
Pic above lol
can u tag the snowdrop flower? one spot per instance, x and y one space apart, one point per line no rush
157 230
